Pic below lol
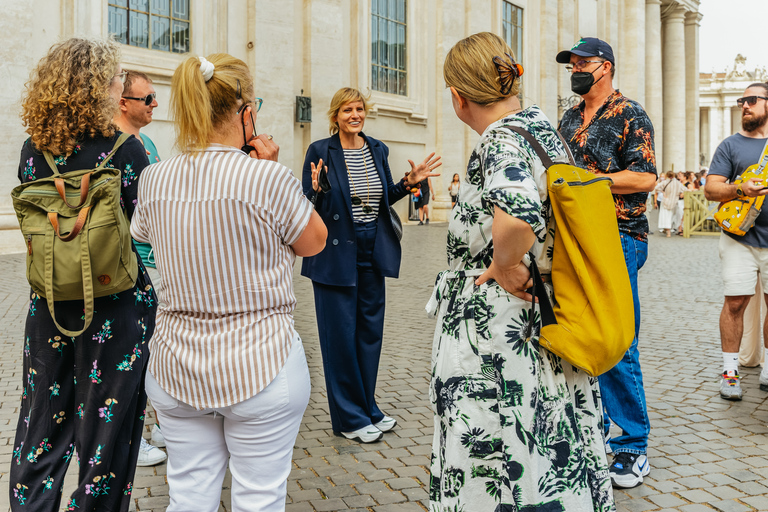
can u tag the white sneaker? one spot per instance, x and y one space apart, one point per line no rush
628 470
150 455
764 379
386 424
367 434
156 437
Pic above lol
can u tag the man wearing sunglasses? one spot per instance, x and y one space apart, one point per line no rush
136 106
742 257
610 134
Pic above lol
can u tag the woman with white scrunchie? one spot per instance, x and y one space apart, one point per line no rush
227 373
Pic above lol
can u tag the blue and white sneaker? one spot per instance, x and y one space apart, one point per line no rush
628 469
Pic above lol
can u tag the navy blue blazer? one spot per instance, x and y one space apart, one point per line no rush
332 266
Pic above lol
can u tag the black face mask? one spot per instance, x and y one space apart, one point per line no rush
582 82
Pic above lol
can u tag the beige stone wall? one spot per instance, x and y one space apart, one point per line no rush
314 47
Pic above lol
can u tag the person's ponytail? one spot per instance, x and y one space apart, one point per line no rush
199 106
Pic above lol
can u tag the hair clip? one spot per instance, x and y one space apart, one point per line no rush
206 68
507 72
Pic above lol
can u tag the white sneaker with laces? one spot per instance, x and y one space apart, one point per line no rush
156 437
367 434
386 424
150 455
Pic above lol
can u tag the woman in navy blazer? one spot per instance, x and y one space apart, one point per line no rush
362 249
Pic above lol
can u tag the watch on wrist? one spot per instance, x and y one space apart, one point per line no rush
739 190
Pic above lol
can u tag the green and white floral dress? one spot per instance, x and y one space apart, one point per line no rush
516 428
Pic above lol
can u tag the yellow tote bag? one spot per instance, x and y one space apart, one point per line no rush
592 322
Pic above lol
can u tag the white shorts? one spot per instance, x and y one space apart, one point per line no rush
740 265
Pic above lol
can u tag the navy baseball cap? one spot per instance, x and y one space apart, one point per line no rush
587 47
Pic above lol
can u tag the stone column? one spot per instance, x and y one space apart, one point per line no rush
673 69
653 79
705 135
632 51
715 130
692 23
727 127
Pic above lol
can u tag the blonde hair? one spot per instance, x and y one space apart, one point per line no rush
341 98
67 95
198 107
469 68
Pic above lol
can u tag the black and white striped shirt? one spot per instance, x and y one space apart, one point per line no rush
369 189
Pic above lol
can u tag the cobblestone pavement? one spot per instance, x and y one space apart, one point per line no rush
706 453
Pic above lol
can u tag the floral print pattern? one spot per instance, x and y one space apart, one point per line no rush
516 428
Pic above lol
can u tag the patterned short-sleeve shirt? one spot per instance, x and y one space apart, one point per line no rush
505 172
619 137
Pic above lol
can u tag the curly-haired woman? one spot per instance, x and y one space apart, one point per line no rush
83 393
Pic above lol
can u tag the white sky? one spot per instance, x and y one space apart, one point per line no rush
730 27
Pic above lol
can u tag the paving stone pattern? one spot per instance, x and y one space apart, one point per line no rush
705 453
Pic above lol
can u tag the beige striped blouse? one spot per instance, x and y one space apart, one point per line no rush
221 224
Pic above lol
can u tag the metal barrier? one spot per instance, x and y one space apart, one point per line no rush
698 217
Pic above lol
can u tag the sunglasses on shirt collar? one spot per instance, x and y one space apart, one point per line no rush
148 99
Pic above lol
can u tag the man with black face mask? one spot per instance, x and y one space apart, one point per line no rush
742 257
610 134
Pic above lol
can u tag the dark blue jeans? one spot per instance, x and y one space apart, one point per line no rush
622 386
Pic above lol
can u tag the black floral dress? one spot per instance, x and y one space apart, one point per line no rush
516 428
84 394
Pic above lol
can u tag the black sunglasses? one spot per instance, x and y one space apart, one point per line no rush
749 100
148 99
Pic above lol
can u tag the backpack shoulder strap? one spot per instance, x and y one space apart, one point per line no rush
119 142
567 149
543 156
51 162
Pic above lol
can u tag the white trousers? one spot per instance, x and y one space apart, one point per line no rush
256 436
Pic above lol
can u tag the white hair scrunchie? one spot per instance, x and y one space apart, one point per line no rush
206 68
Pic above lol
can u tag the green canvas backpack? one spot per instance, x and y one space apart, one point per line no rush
78 236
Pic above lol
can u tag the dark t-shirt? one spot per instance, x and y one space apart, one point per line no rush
732 157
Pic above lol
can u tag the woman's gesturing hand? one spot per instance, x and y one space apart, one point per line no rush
316 174
424 169
515 279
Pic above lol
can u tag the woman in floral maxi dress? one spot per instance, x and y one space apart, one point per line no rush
516 427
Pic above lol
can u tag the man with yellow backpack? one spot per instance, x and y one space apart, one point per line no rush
600 141
743 253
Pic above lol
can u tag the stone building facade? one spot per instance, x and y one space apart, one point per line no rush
718 92
392 48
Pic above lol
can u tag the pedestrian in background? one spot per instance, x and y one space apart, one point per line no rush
423 203
453 189
363 248
611 134
227 374
516 427
670 188
83 393
743 257
134 114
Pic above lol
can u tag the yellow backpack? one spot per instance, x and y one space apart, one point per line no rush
592 323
